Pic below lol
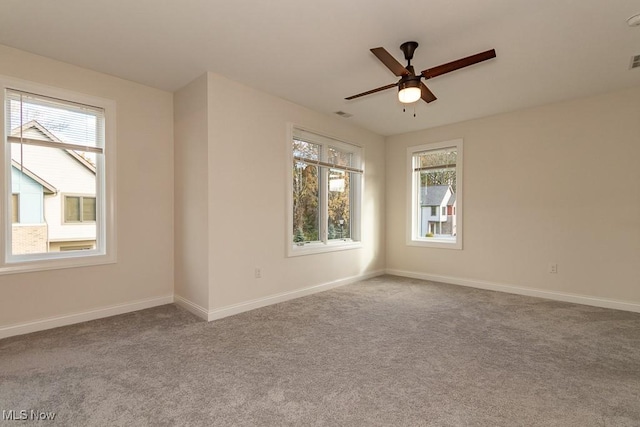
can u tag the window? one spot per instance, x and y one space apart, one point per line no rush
75 248
435 179
58 180
324 194
79 209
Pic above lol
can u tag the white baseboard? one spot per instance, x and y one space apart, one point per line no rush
194 308
230 310
219 313
69 319
511 289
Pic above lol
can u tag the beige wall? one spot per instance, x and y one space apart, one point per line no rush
551 184
556 184
191 148
144 199
248 169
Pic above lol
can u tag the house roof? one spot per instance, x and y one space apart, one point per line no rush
48 136
433 195
48 188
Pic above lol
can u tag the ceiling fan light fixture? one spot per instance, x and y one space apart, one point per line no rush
410 86
409 90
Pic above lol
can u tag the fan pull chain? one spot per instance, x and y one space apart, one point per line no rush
404 110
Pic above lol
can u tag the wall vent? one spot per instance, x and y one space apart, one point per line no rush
347 115
635 62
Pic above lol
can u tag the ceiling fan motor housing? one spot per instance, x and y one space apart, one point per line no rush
409 81
408 48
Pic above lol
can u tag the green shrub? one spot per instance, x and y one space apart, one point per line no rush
299 236
332 231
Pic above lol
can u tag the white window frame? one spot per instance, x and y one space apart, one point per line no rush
413 197
105 251
357 189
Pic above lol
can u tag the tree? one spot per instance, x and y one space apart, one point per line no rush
338 209
306 192
305 200
438 168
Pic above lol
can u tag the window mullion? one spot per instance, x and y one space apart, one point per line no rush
324 203
417 206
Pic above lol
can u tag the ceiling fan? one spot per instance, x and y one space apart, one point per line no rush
410 86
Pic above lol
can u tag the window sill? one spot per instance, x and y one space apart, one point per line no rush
25 264
434 242
319 248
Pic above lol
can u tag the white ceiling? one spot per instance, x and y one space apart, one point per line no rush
315 53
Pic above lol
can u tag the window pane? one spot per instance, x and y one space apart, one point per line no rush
88 209
340 158
306 150
48 119
339 224
436 175
53 181
71 209
306 202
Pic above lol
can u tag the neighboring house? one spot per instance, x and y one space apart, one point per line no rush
451 226
54 195
438 204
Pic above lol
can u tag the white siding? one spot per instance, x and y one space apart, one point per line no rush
60 169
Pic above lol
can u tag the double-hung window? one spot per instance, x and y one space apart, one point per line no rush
58 178
325 194
79 209
435 195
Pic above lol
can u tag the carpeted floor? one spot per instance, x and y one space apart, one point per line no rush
387 351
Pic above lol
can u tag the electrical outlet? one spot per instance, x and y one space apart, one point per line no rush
553 268
257 273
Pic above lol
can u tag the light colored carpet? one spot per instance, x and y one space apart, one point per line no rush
386 351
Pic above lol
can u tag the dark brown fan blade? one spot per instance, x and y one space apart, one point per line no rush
427 95
388 60
460 63
369 92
